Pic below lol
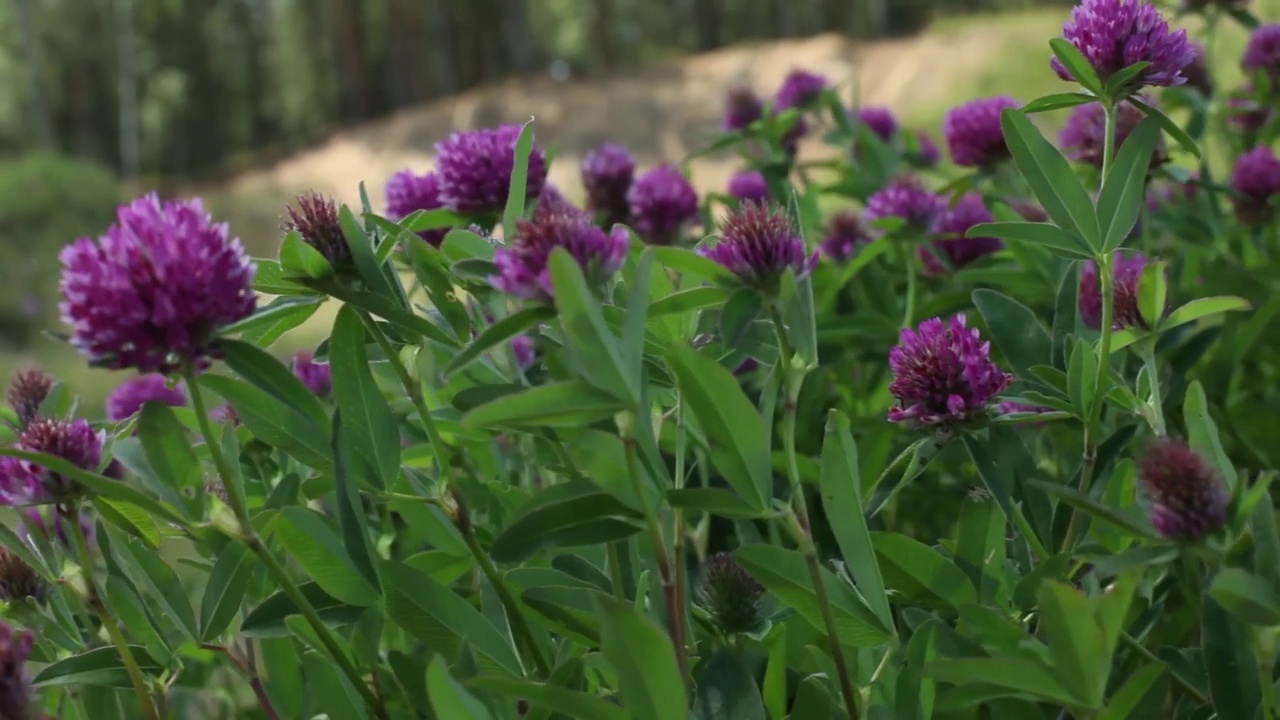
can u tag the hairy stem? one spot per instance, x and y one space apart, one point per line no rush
674 612
112 627
792 380
249 536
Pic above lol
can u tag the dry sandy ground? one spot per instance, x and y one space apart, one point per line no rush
662 114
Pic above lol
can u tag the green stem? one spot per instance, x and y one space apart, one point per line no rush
112 627
414 391
675 613
1020 522
1149 656
519 625
793 378
1153 376
249 536
908 262
615 571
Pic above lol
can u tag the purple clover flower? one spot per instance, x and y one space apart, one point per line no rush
1262 54
1114 34
152 293
23 482
800 88
1172 194
317 376
523 265
845 234
607 174
27 392
1197 71
973 132
1084 133
1256 179
553 202
15 686
47 523
733 598
1246 112
525 351
408 192
742 107
1188 501
662 202
905 198
129 397
758 243
926 154
943 374
949 236
19 582
1126 276
880 120
749 186
475 169
316 220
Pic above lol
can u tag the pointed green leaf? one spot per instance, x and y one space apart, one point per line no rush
564 404
594 348
1051 178
1124 192
448 698
499 332
369 427
315 546
1046 235
641 654
919 572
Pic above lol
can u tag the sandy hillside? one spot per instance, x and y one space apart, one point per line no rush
663 113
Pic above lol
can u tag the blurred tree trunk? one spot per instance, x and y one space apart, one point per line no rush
707 22
29 34
519 41
353 82
604 34
127 88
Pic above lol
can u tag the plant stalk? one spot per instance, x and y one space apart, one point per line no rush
519 625
792 380
908 261
674 612
249 536
1153 375
131 666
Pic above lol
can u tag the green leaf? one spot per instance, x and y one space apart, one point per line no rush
698 298
564 404
299 258
267 619
131 519
370 427
1202 433
841 485
386 309
352 519
332 690
980 544
802 324
273 422
633 328
1082 373
726 690
266 325
713 501
1064 314
595 350
448 698
1167 124
157 581
1019 676
1046 235
1228 648
1153 292
366 262
1248 596
1120 79
167 446
272 280
559 513
641 654
741 310
99 485
1203 307
1057 101
1126 519
269 375
499 332
430 268
918 571
1015 330
916 693
784 573
1075 642
691 263
315 546
1051 178
1079 68
517 191
565 701
225 591
738 437
440 618
1124 191
99 666
1137 691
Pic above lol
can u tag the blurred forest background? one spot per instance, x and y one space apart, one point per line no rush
247 102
